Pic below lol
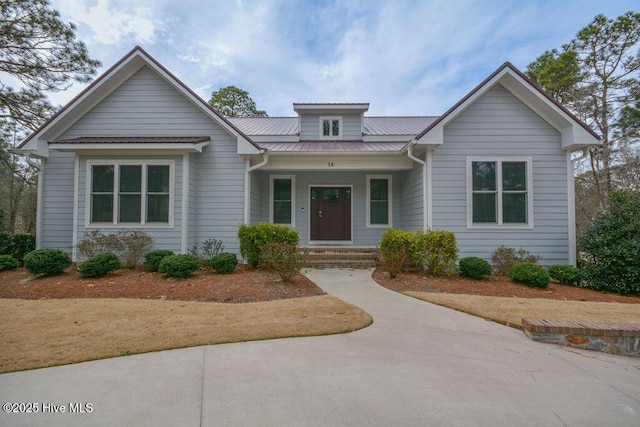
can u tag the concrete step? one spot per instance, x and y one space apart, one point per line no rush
340 257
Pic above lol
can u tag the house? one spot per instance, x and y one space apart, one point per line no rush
139 149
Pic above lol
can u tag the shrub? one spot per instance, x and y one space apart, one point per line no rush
394 249
180 266
504 258
6 243
283 258
99 265
22 245
207 249
224 263
474 267
435 251
46 261
612 245
529 274
152 259
253 237
129 245
566 274
7 262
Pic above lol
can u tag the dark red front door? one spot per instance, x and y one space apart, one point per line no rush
330 213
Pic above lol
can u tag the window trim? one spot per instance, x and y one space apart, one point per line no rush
499 192
331 119
116 163
272 178
389 179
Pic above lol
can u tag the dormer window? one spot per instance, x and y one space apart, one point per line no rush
330 127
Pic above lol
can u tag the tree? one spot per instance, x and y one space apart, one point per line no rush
596 75
231 101
39 53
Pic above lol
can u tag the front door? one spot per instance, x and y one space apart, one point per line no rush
330 213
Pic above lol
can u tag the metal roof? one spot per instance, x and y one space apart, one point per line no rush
288 126
341 146
135 139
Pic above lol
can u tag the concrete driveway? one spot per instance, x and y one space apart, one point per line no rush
418 364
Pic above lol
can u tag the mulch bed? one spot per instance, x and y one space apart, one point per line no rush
499 286
244 285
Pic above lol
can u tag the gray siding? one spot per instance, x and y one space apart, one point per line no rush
56 214
259 197
362 235
351 127
498 124
410 198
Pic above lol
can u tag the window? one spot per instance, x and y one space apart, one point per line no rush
499 192
330 127
379 200
282 199
125 192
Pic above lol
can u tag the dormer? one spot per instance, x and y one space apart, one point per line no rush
330 122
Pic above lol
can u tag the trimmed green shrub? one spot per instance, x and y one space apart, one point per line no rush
179 266
435 251
22 245
504 258
152 259
474 267
529 274
7 262
46 261
253 237
283 258
6 243
99 265
612 246
224 263
394 249
566 274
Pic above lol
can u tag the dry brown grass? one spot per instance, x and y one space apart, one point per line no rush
37 334
510 311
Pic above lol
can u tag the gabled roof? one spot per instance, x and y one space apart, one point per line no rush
100 88
574 133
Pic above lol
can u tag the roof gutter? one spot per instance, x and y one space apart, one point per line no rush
247 183
426 182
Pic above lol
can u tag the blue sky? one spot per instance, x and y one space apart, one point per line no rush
403 57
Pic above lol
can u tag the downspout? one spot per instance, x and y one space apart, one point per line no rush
247 183
426 218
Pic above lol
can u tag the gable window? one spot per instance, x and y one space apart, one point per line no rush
330 127
379 200
125 192
282 199
499 192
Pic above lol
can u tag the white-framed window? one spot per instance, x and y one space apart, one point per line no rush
130 193
379 201
282 199
499 192
330 127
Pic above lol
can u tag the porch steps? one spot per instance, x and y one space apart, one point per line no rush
340 256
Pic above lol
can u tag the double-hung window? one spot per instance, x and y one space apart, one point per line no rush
282 199
379 200
130 193
499 192
330 127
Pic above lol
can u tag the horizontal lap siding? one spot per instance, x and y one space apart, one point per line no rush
146 105
410 198
259 197
498 124
56 227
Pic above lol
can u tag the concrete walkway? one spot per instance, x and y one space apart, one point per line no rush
418 364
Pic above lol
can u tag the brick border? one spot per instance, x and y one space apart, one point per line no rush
615 338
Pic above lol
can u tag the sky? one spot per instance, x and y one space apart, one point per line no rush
403 57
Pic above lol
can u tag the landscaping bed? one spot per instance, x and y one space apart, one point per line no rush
494 285
244 285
